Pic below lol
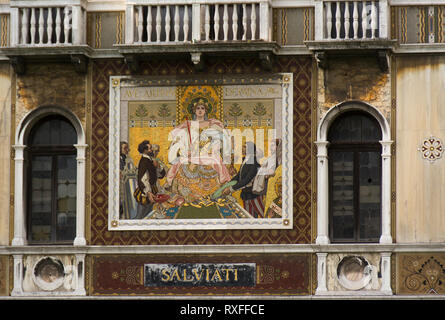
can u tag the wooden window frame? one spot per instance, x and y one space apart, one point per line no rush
53 151
356 149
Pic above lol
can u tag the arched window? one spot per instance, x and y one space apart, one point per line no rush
355 178
51 186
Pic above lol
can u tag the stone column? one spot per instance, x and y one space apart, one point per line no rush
321 273
18 275
14 27
80 196
129 24
386 192
322 193
19 210
384 18
264 21
196 22
80 275
78 25
386 273
319 20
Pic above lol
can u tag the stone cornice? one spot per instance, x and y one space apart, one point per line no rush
225 249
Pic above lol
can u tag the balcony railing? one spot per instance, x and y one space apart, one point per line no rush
193 21
59 23
355 20
45 23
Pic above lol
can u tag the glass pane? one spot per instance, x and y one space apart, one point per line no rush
41 198
342 196
66 197
370 195
53 131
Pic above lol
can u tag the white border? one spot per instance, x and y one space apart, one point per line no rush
286 222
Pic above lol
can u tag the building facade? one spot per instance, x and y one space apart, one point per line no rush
346 98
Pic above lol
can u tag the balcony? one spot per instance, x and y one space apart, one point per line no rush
47 28
198 26
344 20
351 26
166 22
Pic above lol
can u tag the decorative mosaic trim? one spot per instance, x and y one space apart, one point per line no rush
303 159
432 148
283 274
421 274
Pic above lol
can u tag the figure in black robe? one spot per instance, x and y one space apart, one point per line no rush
148 175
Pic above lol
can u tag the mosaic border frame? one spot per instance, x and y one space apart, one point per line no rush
115 223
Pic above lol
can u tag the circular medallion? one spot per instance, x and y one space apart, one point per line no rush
48 273
353 272
432 148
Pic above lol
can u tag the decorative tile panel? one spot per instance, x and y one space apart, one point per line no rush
418 24
421 273
284 274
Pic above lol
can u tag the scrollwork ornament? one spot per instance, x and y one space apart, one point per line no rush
425 275
413 282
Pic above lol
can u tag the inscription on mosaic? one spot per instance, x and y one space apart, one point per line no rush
264 274
187 274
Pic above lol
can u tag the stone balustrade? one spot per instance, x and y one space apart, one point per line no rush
194 21
57 23
355 20
47 23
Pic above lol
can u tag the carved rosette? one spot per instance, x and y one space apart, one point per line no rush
432 148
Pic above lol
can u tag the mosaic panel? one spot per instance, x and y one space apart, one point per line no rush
301 68
284 274
197 147
422 273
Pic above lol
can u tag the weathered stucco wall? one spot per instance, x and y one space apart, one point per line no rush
354 78
420 182
5 153
51 84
